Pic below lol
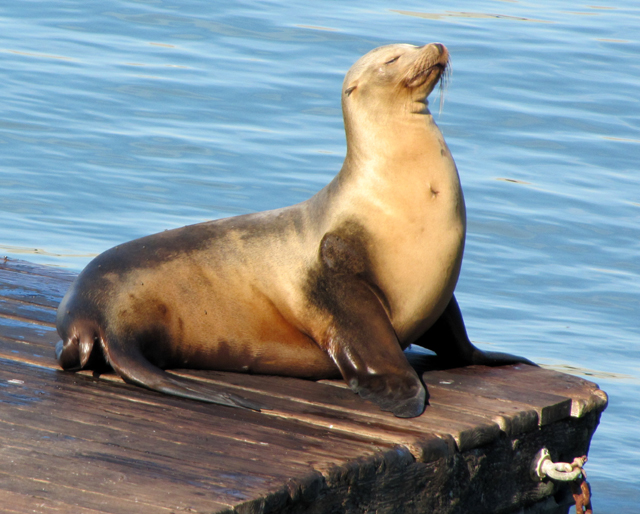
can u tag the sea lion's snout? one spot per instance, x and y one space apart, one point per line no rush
442 50
428 67
443 61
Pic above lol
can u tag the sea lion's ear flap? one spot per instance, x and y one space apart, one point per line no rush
350 90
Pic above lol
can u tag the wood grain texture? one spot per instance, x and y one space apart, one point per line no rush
78 443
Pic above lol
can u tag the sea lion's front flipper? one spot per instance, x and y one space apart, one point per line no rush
134 368
448 338
360 338
365 348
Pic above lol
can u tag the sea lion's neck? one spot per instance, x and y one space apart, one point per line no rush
406 143
403 161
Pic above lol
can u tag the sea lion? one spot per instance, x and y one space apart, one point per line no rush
337 285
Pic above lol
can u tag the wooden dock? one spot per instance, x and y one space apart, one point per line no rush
77 443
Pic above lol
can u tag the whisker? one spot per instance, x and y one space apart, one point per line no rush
445 78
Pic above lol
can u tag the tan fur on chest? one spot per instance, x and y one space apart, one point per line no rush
417 255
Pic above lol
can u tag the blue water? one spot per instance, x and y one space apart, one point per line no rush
123 118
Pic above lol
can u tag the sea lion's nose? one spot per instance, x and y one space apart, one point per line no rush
440 47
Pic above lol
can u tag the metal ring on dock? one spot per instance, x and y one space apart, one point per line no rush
542 467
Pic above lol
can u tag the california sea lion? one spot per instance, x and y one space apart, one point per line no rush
337 285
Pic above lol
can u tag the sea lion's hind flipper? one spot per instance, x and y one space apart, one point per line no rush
185 388
448 338
134 368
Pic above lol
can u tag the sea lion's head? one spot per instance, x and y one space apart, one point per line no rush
384 97
394 76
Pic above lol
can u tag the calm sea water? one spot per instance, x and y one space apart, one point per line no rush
124 118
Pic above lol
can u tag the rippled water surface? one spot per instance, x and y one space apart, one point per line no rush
121 119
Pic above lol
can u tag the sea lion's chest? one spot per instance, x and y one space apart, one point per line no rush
419 242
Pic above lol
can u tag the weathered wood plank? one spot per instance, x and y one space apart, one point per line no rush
141 401
27 312
38 285
34 289
14 502
442 405
585 396
172 439
20 350
55 474
133 410
342 410
21 329
485 383
18 266
512 417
